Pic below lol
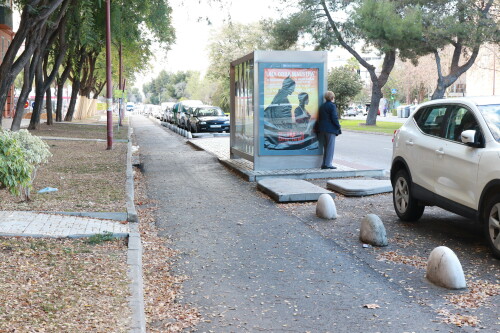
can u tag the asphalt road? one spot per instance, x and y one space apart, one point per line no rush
253 268
364 150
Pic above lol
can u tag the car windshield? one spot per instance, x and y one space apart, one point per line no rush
210 112
491 114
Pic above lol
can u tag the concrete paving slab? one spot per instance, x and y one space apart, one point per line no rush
359 187
291 190
33 224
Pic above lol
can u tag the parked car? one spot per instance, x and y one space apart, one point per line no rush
360 109
169 113
166 108
130 106
350 112
208 119
156 111
183 110
447 154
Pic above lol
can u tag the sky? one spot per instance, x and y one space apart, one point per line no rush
189 52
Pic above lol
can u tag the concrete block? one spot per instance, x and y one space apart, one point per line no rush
325 207
359 187
444 269
373 231
291 190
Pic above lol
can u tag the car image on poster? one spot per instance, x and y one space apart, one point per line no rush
290 99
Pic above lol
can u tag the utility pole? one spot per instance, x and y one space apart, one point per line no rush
109 83
120 85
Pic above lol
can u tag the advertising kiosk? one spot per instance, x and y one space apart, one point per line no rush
275 97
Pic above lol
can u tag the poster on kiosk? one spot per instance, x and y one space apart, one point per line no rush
289 104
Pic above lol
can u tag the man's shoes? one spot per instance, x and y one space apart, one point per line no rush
328 167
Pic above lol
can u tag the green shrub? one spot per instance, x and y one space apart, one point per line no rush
36 150
15 170
21 154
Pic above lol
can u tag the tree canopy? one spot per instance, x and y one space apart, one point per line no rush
65 40
346 84
407 28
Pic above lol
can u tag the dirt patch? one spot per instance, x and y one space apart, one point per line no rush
162 289
92 128
51 285
88 178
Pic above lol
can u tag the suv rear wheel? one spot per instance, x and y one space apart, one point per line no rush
492 224
406 206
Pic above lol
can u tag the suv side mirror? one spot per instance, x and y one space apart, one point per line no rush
471 139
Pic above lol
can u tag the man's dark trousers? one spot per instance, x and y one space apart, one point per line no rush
329 148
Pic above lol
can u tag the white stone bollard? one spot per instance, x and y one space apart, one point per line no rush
189 135
373 231
444 269
325 207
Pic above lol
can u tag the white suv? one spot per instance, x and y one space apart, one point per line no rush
447 154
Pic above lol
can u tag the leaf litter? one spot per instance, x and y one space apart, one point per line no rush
162 288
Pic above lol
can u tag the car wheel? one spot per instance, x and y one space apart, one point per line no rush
407 208
492 224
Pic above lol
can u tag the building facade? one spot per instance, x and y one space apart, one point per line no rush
483 78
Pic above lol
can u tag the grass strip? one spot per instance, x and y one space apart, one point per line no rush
360 126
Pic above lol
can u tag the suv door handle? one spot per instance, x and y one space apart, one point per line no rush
409 142
439 151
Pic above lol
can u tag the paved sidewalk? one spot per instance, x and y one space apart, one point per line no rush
253 267
219 146
33 224
7 122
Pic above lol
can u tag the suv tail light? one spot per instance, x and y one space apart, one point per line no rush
395 134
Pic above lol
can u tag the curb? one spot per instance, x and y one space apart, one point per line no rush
73 236
250 176
134 254
131 211
134 260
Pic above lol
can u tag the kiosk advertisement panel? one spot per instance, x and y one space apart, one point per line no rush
289 103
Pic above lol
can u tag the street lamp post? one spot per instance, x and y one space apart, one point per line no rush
109 83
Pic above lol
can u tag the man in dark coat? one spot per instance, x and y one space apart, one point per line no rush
329 128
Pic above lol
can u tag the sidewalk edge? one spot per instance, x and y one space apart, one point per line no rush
134 253
131 211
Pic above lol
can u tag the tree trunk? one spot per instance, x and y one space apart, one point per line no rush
35 14
60 100
74 95
377 82
60 90
88 79
48 107
455 71
440 89
23 96
39 96
48 92
371 119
